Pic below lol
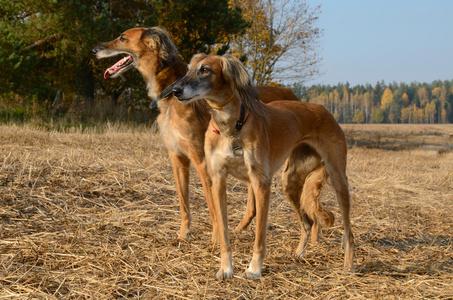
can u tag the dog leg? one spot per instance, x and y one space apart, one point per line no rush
200 166
344 201
340 184
181 165
315 229
219 196
250 211
262 195
292 186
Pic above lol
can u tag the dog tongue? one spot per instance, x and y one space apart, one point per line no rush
116 67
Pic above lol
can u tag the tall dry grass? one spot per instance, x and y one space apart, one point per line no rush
94 215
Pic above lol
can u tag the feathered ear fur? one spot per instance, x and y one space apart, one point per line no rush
158 39
236 75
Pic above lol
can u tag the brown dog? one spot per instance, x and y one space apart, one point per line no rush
252 143
183 127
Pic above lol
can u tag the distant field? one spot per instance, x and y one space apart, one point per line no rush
96 216
438 137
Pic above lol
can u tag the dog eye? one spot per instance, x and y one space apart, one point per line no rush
122 39
204 69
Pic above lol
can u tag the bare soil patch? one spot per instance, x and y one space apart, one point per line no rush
96 216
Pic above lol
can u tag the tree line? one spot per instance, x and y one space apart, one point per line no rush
384 103
48 69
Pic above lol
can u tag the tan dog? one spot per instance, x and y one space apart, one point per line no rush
254 141
183 127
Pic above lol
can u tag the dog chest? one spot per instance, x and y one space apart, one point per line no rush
170 135
232 159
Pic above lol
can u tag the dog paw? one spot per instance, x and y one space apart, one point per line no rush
185 235
222 274
185 238
349 269
299 254
249 275
243 225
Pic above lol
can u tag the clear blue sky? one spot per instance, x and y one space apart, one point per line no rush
367 41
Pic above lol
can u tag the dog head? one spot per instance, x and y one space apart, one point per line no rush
143 48
216 78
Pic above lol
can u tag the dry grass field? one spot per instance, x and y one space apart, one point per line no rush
95 215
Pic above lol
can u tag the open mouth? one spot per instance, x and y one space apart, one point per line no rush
120 65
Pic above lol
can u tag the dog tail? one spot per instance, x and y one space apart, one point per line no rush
310 197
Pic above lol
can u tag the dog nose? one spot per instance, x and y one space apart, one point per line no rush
177 91
95 50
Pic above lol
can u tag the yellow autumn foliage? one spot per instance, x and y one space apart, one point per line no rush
387 98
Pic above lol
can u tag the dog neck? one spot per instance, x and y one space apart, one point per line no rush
229 117
220 107
160 84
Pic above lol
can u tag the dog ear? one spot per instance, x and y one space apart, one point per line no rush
158 39
236 75
149 38
234 72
